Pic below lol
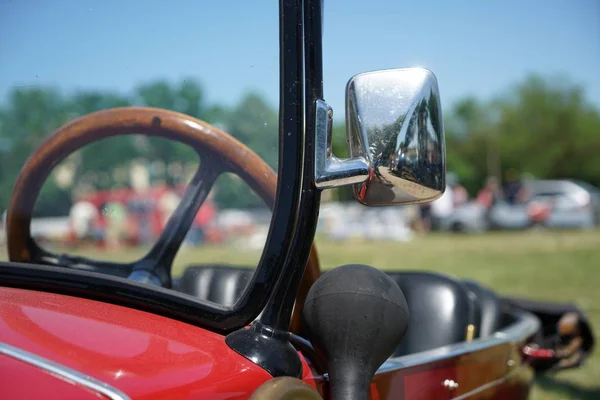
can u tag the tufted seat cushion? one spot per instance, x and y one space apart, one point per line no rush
222 284
441 309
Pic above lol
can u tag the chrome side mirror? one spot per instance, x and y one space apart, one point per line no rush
396 137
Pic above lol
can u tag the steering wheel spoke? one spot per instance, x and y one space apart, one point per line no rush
160 257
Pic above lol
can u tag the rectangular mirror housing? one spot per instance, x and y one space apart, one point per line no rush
394 123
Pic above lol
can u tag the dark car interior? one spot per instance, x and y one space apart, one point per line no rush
444 309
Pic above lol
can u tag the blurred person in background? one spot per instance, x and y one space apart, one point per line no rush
81 217
116 216
140 209
432 214
490 194
424 221
513 190
204 216
167 204
460 196
443 207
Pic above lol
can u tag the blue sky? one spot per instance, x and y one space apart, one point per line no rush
477 48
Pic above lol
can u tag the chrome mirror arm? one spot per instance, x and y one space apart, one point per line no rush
330 171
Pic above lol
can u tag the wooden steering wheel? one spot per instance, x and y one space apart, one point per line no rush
224 153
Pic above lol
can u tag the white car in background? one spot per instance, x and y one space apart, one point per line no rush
568 204
573 204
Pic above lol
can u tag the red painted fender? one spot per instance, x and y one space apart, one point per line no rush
145 356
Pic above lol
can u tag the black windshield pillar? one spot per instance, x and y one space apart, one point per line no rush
266 342
278 312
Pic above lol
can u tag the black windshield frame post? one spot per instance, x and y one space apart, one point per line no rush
271 267
278 312
267 341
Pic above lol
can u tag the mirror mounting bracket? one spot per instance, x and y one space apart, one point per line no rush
330 171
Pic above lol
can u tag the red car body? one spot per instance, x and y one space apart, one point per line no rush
149 357
142 354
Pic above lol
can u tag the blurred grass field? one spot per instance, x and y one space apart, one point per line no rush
555 266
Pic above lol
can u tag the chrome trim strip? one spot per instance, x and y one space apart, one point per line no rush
481 388
63 372
525 326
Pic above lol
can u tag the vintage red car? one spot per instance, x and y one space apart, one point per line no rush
76 328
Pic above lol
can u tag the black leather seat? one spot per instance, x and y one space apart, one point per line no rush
491 309
222 284
441 309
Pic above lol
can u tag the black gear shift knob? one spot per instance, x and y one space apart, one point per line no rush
357 316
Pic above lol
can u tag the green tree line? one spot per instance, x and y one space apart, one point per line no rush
543 127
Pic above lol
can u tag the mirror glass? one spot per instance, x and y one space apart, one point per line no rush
394 121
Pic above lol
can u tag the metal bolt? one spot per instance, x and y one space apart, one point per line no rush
450 384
